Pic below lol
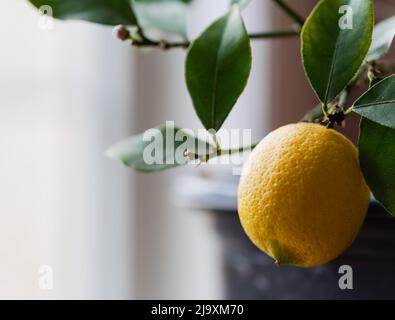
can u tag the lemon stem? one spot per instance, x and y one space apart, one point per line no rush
216 143
348 111
237 150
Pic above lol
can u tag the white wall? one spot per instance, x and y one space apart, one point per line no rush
64 97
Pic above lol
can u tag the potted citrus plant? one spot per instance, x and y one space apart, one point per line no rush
304 192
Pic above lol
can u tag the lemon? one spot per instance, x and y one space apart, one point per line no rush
302 198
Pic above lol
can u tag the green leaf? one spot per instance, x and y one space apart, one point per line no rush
378 103
108 12
160 18
377 158
332 55
218 65
158 149
383 35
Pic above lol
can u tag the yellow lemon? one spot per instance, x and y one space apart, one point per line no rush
302 198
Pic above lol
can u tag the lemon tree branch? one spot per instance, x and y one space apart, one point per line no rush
141 41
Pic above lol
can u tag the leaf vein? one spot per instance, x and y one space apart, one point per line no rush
215 84
377 103
331 71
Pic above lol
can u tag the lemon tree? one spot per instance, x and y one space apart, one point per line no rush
341 48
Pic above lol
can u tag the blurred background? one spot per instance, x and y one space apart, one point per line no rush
97 229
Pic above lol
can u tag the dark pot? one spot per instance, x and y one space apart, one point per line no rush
250 274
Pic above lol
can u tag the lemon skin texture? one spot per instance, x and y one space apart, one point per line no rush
302 198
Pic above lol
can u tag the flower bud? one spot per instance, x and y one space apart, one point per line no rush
121 33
